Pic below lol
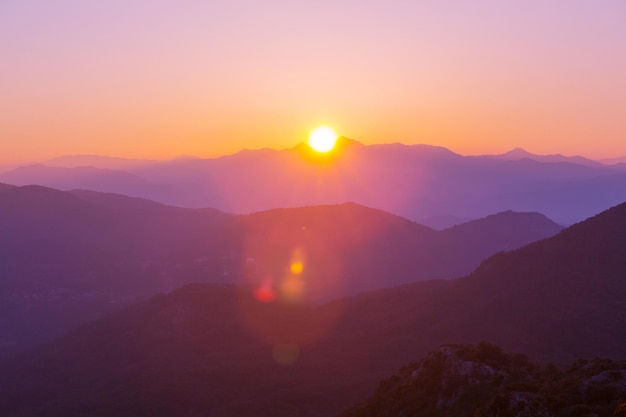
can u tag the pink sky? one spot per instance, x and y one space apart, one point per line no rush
159 79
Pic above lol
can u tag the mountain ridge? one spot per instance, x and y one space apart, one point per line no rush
90 253
231 354
414 181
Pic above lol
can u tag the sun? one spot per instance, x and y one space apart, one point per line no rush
322 139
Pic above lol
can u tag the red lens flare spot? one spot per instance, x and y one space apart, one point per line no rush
265 292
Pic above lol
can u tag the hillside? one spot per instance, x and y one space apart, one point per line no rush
223 350
83 177
347 248
569 288
67 257
484 381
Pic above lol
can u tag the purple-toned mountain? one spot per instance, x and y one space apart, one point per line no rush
519 153
614 161
84 177
217 350
69 256
97 161
416 181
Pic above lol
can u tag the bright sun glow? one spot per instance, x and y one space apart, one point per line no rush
322 139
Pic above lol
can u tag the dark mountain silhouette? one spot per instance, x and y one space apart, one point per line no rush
218 350
542 287
416 181
204 349
348 248
84 177
116 201
97 161
519 153
66 257
503 230
613 161
482 380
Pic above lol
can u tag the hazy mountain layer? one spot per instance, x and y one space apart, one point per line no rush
222 350
416 182
69 257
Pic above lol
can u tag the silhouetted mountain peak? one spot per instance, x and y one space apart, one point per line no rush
420 150
527 219
36 196
607 228
344 141
322 211
98 161
342 144
613 161
44 171
113 200
6 186
518 153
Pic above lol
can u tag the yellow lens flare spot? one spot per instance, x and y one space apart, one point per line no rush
296 267
298 257
322 139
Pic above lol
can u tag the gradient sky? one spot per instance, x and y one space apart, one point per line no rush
157 79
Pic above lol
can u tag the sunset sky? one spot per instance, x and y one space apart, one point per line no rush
159 79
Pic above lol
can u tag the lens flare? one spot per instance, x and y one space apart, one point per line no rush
298 259
265 292
292 288
296 267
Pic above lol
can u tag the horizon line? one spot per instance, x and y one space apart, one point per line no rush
147 159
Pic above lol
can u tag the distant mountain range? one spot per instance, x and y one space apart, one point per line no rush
209 349
97 161
519 153
418 182
66 257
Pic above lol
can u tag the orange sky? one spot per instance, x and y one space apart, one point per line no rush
159 79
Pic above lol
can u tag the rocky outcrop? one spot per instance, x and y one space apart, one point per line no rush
484 381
